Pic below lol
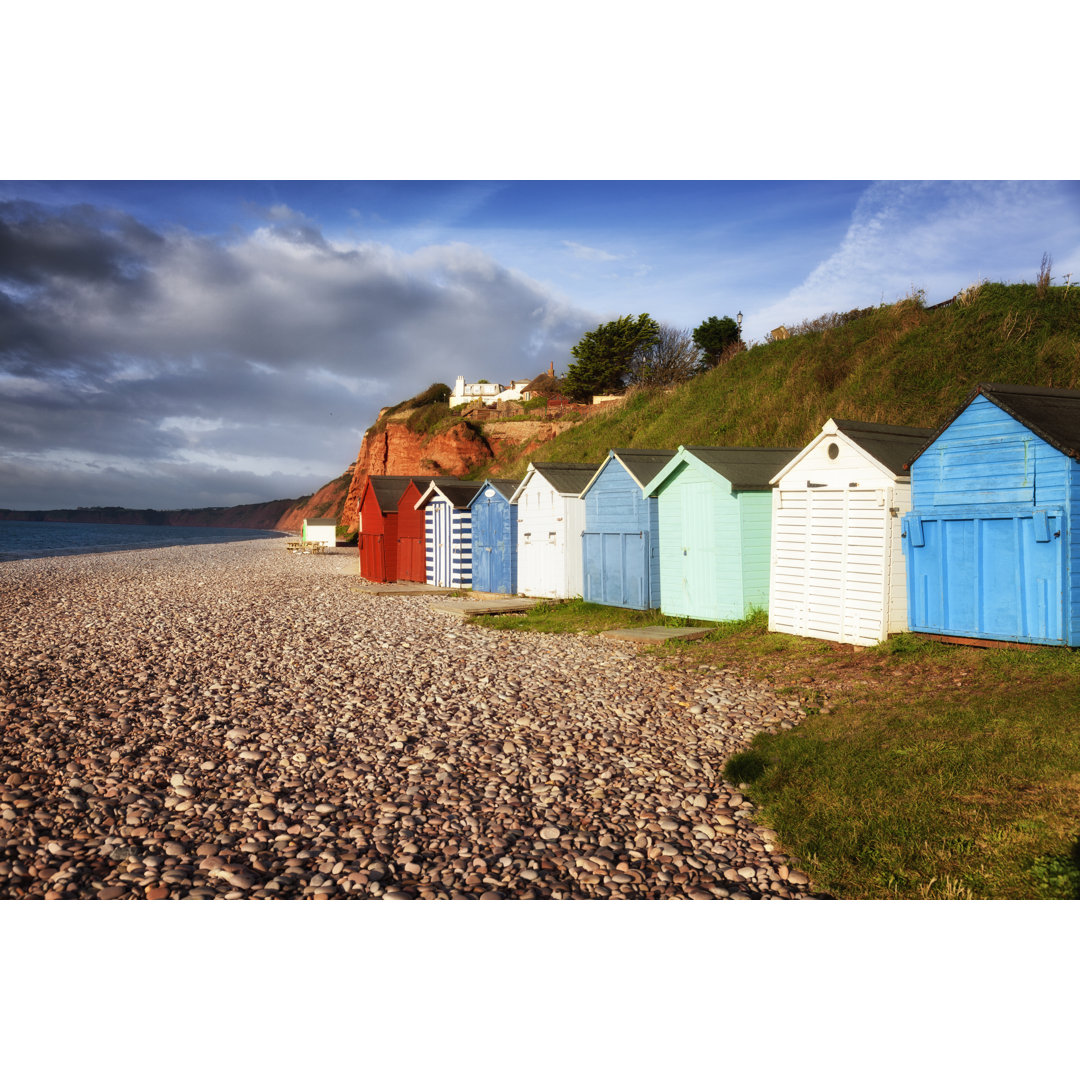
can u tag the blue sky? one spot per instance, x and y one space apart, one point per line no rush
187 343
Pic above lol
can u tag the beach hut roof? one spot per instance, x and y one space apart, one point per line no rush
389 489
642 465
889 445
746 468
459 493
566 477
1052 414
505 488
320 521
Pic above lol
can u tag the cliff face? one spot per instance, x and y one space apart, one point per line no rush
326 502
397 451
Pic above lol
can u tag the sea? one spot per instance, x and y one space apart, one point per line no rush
37 539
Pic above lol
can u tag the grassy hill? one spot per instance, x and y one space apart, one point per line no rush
900 363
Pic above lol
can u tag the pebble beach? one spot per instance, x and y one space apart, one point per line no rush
236 721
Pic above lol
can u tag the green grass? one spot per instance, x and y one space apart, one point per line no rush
579 617
926 770
897 364
922 770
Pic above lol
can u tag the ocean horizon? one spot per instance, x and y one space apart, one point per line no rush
41 539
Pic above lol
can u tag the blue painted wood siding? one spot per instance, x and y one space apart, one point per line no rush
983 560
620 545
448 537
494 543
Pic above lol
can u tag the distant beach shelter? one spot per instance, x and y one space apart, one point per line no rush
319 530
715 506
620 554
448 531
837 569
992 543
494 538
411 543
378 536
551 519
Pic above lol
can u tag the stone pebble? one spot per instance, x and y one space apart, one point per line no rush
233 721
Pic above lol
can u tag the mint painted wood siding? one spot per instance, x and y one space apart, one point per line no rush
991 543
714 545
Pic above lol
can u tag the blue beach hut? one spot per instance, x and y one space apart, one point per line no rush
620 551
494 537
448 531
991 547
715 510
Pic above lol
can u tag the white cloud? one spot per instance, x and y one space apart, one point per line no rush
590 254
935 236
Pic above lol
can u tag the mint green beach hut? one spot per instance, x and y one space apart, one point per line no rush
715 520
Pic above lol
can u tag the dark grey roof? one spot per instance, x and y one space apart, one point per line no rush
890 444
320 521
506 488
643 465
747 468
389 489
1052 414
459 492
566 477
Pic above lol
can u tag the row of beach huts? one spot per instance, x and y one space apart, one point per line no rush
869 530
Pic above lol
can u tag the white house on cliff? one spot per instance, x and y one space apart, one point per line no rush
487 393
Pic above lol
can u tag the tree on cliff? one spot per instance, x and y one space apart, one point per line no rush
672 358
605 356
716 338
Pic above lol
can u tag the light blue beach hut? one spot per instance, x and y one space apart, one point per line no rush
494 537
620 552
448 531
715 511
991 542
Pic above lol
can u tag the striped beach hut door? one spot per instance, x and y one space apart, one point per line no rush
440 544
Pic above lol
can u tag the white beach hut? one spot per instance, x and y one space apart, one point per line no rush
836 565
320 530
551 519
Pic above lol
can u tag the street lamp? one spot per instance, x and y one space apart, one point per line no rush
738 318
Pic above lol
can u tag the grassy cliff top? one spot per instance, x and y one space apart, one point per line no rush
896 364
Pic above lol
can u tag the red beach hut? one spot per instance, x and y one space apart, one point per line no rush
411 549
378 537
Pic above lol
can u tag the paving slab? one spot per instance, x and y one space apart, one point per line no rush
496 605
656 633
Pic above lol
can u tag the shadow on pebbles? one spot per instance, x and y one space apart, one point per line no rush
237 721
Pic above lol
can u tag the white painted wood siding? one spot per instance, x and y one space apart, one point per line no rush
549 541
836 568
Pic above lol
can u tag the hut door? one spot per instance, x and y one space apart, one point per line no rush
441 555
616 568
484 539
1000 577
697 557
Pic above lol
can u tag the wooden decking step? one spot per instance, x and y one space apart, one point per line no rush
651 634
502 605
403 588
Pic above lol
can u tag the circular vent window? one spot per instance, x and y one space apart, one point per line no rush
834 450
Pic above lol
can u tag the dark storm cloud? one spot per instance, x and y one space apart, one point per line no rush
175 351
